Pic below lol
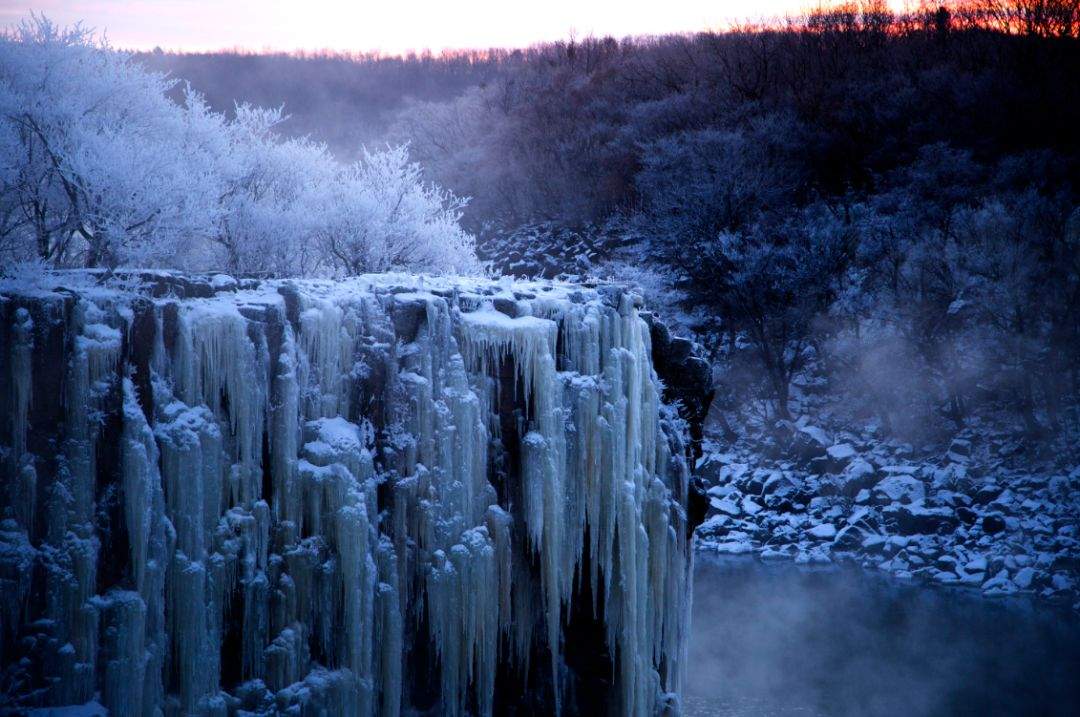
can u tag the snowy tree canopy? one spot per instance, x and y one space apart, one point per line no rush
99 166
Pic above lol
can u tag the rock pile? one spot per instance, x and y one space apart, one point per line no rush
963 517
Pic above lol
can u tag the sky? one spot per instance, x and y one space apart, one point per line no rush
390 26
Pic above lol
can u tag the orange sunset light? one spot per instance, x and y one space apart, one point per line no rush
390 27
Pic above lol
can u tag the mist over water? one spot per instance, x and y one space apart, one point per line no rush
780 639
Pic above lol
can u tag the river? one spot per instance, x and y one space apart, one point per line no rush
780 639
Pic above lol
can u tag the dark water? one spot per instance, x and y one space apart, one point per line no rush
779 639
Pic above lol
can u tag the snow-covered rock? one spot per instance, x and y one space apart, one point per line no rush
959 450
750 506
1024 577
917 519
901 488
726 506
858 475
815 434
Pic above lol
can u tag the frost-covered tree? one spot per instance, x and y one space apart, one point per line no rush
101 171
381 216
963 293
768 283
271 210
101 167
695 185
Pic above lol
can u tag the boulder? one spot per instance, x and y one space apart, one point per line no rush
841 452
849 539
918 519
999 584
1024 578
779 484
808 443
966 515
993 523
838 456
1059 486
944 577
972 579
947 562
902 489
718 524
874 544
820 465
754 481
858 475
959 450
817 435
986 493
732 547
953 476
779 504
726 506
1004 503
948 498
751 506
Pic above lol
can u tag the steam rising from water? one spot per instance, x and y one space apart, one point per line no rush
777 639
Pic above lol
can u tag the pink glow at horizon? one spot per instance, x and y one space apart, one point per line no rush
389 26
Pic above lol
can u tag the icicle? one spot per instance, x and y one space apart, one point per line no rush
489 336
92 377
188 440
321 342
218 360
149 536
139 459
285 432
22 379
125 666
389 638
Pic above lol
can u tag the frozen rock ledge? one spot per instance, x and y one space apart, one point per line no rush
382 495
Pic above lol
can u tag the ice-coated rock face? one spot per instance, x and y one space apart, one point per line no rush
363 497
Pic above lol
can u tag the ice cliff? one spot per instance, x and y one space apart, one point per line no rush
383 495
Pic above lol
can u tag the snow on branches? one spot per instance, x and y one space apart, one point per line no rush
105 163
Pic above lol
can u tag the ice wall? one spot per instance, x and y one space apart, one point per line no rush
389 494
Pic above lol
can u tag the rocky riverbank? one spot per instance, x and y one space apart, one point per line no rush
984 513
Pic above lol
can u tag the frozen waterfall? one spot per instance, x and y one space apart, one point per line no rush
384 495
